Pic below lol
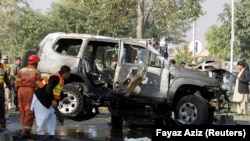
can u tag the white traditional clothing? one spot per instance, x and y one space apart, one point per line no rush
241 99
44 117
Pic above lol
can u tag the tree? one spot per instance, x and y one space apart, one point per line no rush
242 28
103 17
26 27
118 18
219 37
170 18
10 18
184 55
21 29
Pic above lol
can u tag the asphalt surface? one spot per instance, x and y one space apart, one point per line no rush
96 129
99 129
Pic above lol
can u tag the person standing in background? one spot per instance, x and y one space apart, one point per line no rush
182 64
3 79
172 63
241 89
26 82
8 98
13 72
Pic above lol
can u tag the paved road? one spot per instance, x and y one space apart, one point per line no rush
99 129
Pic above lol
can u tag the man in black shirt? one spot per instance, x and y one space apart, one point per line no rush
46 98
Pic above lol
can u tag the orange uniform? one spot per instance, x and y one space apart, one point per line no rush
27 80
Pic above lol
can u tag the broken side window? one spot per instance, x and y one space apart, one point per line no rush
66 46
134 54
153 60
101 53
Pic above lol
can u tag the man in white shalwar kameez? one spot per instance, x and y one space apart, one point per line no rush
45 99
241 89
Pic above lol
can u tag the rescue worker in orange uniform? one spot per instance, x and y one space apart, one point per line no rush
45 99
3 79
27 80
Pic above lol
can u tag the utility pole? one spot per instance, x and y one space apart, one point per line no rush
194 31
232 46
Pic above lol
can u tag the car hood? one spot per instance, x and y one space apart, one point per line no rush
177 72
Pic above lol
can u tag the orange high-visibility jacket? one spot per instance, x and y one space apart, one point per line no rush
58 88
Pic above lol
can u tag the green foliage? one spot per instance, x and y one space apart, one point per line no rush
119 18
184 55
219 37
22 28
103 17
242 28
170 18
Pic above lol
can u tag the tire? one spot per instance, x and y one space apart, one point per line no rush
192 110
26 57
87 113
116 122
76 102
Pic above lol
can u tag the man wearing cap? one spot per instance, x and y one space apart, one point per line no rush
26 82
3 79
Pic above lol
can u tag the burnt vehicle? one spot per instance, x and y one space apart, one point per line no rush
144 86
213 70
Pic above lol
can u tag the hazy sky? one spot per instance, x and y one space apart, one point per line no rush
212 8
40 4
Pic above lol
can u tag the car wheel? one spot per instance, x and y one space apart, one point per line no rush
75 105
192 110
87 113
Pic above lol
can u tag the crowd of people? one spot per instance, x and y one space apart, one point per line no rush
35 98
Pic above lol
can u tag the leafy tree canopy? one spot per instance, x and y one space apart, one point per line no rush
219 37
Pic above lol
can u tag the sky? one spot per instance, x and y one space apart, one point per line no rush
212 8
43 5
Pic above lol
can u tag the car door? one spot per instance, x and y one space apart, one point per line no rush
131 68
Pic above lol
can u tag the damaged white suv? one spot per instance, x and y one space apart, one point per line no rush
144 88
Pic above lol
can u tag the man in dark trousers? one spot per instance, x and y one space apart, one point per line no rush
13 72
46 99
3 79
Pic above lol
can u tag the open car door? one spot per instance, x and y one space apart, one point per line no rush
131 68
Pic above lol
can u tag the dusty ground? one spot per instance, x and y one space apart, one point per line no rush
240 117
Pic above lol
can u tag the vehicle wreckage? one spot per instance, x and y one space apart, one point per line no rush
147 90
